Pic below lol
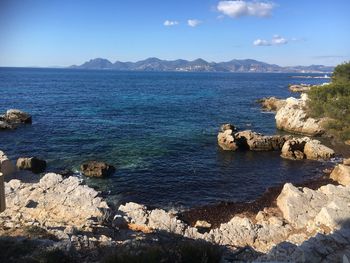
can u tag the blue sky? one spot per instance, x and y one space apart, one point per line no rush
62 33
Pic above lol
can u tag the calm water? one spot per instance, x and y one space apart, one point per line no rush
158 129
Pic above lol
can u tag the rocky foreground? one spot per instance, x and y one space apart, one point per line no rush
303 225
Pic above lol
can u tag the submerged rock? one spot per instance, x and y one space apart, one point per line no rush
292 117
17 116
96 169
272 103
33 164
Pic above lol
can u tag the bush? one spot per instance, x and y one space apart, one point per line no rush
341 73
177 252
333 101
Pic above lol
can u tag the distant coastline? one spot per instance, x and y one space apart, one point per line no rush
200 65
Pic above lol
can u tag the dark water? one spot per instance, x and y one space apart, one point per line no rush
158 129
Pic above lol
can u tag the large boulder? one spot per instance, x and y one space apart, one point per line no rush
17 116
314 150
306 148
96 169
341 174
272 103
304 207
32 164
292 117
6 166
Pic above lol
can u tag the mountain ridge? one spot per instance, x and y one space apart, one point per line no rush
199 65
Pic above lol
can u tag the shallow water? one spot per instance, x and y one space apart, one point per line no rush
158 129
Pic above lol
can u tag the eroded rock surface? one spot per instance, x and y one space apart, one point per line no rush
272 103
341 174
32 164
306 148
228 139
292 117
97 169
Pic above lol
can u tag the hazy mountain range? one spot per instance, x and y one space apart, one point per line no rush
199 65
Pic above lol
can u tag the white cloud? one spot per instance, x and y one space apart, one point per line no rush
261 42
240 8
170 23
276 40
193 22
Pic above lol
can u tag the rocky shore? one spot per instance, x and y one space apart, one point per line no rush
61 216
296 223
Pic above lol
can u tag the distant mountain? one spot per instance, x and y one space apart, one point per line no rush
199 65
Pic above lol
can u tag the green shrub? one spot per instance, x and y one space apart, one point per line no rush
341 73
333 101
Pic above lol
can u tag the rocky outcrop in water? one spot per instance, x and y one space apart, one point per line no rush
272 103
306 148
228 139
97 169
12 118
292 117
300 88
341 174
32 164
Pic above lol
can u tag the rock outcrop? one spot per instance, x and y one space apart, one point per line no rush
17 116
32 164
249 140
96 169
300 88
341 174
292 117
306 148
6 166
327 206
272 103
52 202
12 118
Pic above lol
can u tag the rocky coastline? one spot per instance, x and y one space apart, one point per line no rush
308 222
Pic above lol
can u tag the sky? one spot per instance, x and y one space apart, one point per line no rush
285 32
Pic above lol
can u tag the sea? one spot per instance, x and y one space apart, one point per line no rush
159 129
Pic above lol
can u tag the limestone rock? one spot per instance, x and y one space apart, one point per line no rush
17 116
226 140
294 148
96 169
305 148
249 140
292 117
227 126
202 224
272 103
300 88
6 166
341 174
258 142
314 150
53 202
33 164
346 161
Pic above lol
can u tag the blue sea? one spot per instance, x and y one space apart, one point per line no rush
157 128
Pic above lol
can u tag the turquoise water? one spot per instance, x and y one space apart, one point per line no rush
158 129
